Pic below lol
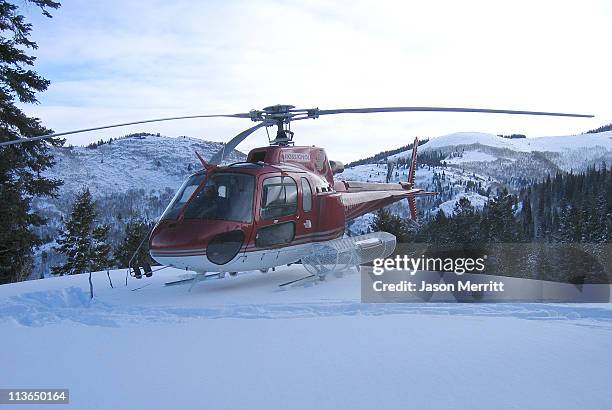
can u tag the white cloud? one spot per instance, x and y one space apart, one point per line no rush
116 60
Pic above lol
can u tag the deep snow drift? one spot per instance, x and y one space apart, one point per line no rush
242 342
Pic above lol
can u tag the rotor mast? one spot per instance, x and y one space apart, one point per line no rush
280 116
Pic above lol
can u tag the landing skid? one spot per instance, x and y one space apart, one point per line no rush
319 276
296 281
195 278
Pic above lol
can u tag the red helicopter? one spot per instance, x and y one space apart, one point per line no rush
281 206
269 210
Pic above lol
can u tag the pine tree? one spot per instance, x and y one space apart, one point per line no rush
82 242
135 231
463 226
527 218
388 222
20 165
499 223
438 231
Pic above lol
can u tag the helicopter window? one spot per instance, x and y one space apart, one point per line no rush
306 195
181 197
275 234
279 197
226 197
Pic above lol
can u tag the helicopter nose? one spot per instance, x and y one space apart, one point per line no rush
177 236
218 242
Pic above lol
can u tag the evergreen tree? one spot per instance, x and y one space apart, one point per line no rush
439 231
499 224
388 222
527 218
135 232
20 165
463 226
82 242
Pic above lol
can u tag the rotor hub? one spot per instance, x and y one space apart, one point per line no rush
281 115
282 112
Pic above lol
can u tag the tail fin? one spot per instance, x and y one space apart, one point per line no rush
411 176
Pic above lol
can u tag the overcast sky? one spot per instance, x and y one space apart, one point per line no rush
115 61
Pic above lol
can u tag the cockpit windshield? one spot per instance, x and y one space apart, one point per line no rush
225 196
182 196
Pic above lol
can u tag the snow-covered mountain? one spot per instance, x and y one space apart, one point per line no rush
149 162
130 177
512 158
472 165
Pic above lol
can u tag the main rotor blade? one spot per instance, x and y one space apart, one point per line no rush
59 134
233 143
444 109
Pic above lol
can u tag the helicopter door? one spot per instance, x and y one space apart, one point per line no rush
277 222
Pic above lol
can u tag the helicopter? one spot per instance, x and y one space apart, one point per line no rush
281 206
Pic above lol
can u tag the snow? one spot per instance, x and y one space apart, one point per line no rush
478 202
490 161
567 153
243 343
149 162
365 172
472 156
553 144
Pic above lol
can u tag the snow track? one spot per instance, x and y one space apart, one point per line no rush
73 304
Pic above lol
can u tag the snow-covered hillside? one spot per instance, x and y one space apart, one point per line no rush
451 183
241 343
472 164
520 157
564 143
132 177
147 162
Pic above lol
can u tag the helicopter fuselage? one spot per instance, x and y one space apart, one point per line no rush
264 212
252 215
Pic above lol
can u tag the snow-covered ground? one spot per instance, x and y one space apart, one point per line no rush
243 343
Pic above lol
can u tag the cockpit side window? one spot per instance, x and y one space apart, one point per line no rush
279 197
182 196
306 195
